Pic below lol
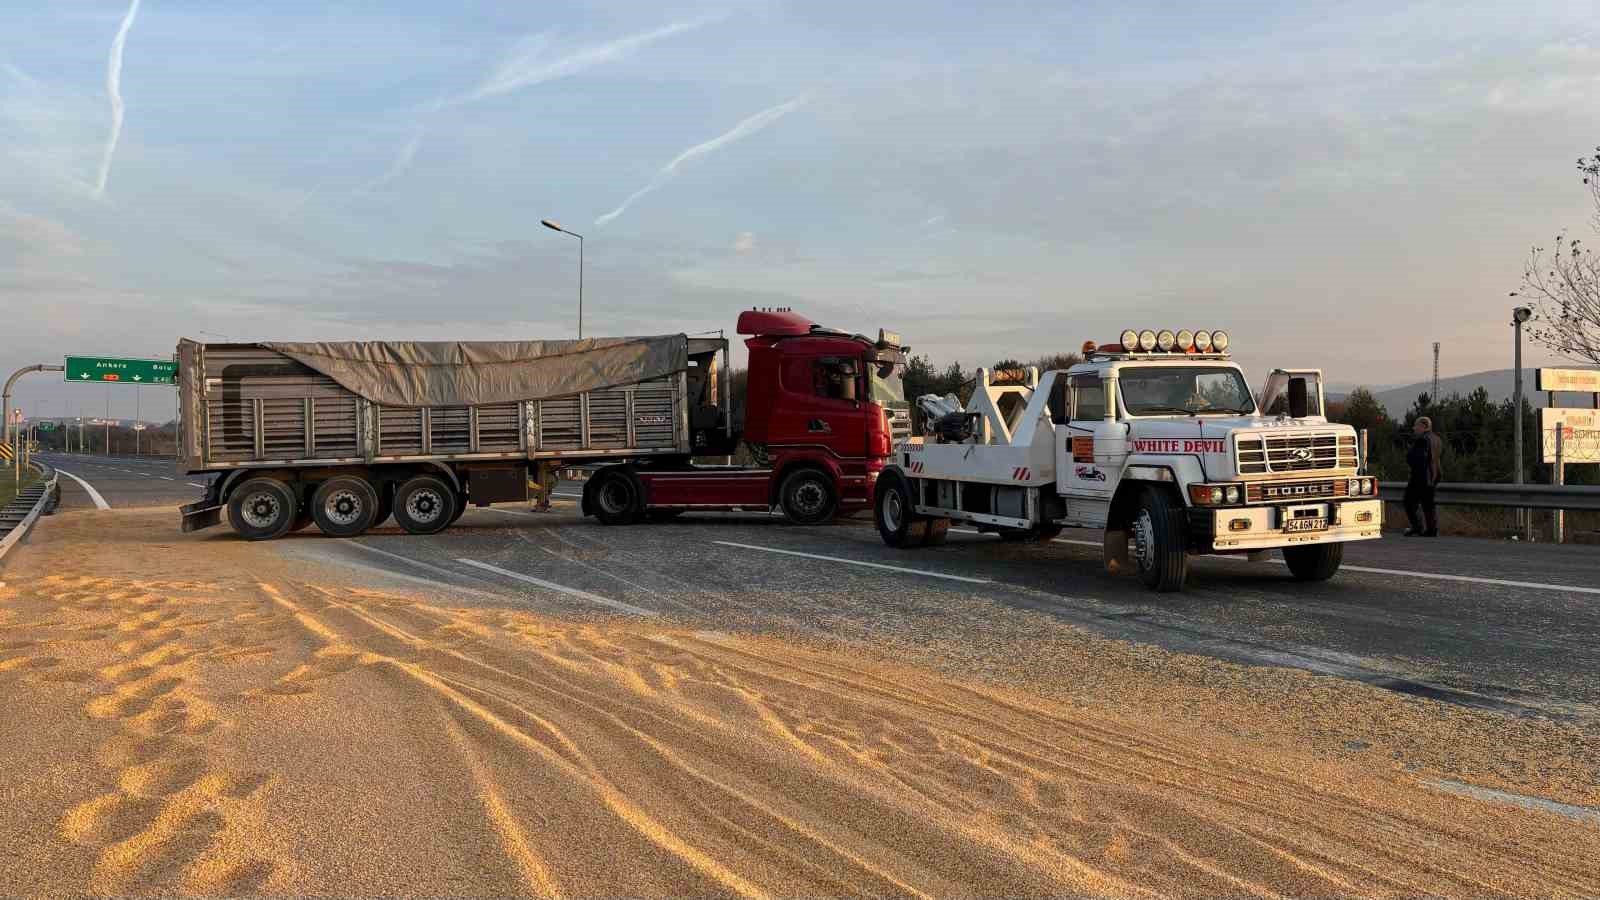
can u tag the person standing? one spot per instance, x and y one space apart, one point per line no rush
1424 458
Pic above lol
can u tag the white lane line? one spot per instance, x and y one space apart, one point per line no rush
99 501
168 478
419 564
195 484
568 496
551 585
857 562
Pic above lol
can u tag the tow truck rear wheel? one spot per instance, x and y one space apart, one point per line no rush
808 498
617 499
1158 545
898 524
1314 562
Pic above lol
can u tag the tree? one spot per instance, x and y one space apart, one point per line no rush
1563 285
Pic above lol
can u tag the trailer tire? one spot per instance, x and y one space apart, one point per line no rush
385 503
1315 562
261 509
1160 552
461 508
808 497
344 506
898 523
424 504
617 498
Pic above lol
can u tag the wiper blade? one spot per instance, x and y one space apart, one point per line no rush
1175 409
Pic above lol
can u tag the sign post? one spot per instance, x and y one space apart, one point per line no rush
1558 477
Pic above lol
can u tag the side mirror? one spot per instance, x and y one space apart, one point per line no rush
1297 398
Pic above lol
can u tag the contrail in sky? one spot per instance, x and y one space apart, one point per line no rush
742 130
528 67
114 89
402 162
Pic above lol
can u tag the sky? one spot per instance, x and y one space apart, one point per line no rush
1336 184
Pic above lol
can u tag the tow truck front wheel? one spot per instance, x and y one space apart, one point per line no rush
1315 562
898 524
1158 545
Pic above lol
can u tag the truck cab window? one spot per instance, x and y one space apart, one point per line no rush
1088 397
834 379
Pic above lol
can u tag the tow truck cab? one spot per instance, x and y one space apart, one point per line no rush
823 409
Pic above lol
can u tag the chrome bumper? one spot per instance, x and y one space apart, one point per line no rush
1262 527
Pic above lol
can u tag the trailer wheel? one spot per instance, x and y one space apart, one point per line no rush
344 506
1158 545
461 508
617 498
424 505
262 509
898 524
1315 562
808 498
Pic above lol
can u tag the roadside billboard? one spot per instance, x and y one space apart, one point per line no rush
1580 442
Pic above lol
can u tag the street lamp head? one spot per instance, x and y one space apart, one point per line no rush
1521 314
553 226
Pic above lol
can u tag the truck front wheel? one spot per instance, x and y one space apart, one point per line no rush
808 497
1314 562
898 524
262 509
1158 544
616 498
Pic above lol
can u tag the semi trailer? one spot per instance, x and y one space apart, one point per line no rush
345 434
1158 440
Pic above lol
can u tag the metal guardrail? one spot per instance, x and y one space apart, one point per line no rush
38 499
1529 496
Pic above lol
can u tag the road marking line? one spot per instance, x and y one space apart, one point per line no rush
419 564
196 484
99 501
167 478
551 585
857 562
1052 540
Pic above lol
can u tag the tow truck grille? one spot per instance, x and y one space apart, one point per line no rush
1261 454
1295 491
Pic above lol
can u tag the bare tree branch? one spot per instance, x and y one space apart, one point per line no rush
1563 285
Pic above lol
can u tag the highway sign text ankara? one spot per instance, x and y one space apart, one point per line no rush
89 369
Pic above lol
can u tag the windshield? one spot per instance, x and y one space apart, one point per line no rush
1185 390
884 383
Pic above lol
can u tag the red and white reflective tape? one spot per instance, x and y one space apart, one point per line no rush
916 466
1021 473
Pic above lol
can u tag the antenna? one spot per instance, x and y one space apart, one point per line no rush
1435 394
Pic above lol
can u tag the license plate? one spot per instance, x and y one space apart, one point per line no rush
1319 523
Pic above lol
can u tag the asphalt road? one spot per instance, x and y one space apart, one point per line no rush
123 482
1485 623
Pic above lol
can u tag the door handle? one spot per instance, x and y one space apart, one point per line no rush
817 426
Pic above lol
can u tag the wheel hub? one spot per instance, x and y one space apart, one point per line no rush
615 497
260 510
424 506
893 511
343 508
809 497
1144 540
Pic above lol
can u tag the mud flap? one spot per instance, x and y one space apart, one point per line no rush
1116 551
203 514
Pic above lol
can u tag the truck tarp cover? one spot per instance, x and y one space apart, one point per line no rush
469 373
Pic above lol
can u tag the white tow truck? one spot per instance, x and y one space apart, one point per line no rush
1157 439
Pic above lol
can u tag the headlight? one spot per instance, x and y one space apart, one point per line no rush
1355 488
1202 341
1233 493
1185 340
1206 494
1147 340
1130 340
1165 339
1219 341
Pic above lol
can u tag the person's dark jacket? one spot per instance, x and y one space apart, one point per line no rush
1424 458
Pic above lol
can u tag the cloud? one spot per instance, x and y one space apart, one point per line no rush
114 90
738 132
528 66
745 242
402 160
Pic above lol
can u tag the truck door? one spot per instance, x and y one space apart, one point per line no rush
1094 441
821 405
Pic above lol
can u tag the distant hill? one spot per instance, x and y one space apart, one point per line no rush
1498 382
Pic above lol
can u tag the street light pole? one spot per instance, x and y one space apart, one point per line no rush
1519 315
554 226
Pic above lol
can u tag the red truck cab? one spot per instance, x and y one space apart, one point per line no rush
823 409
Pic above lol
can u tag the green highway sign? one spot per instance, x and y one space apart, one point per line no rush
46 426
90 369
